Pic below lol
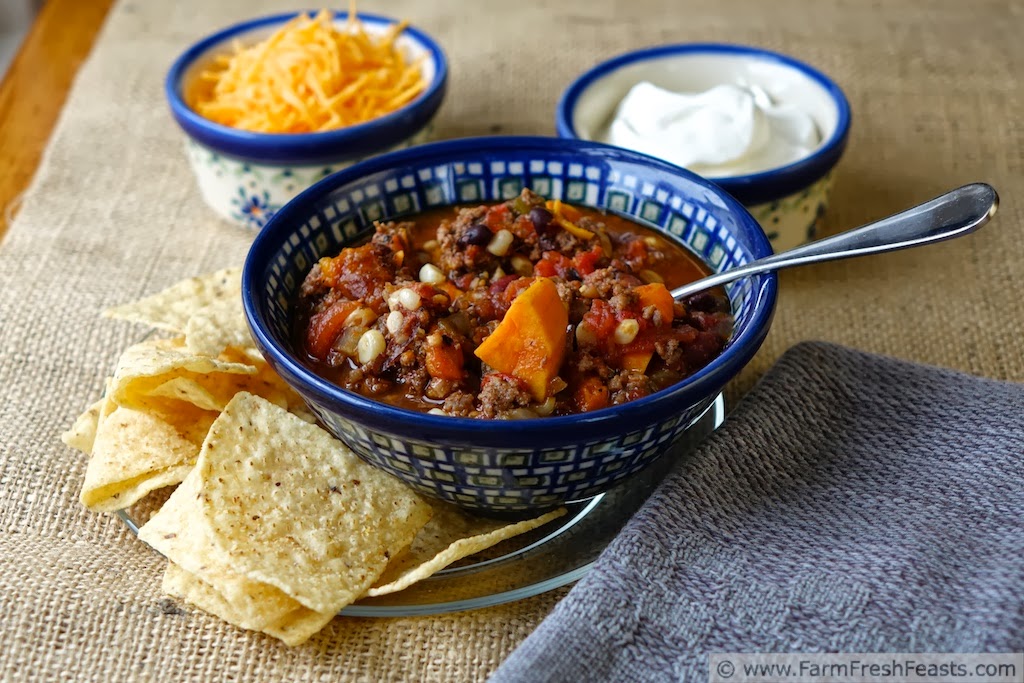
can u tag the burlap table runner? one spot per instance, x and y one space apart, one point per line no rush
113 213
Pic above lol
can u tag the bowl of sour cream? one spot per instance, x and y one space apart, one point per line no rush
767 128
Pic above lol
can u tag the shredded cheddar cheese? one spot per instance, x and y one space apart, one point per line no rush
309 76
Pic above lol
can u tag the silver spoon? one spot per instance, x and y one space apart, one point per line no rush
953 214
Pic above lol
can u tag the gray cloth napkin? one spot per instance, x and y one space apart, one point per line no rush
850 503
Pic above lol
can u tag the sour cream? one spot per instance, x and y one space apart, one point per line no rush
728 130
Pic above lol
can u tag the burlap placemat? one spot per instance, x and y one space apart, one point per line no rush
113 214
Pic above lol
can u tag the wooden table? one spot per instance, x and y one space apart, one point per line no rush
35 87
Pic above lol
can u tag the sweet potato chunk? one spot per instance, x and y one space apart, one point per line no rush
529 344
657 294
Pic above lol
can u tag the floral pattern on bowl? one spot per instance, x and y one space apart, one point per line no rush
248 194
794 219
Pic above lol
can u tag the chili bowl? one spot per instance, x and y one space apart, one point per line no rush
246 176
497 466
787 200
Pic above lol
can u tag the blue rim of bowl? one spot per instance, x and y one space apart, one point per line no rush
705 383
754 188
307 148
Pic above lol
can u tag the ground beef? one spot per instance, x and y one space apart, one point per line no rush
605 283
628 385
393 236
500 394
460 404
592 362
568 292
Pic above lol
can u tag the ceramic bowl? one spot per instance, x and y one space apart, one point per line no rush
788 200
503 466
245 177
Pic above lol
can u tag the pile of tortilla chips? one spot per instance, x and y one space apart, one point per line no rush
275 525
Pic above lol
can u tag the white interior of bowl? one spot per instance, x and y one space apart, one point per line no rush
411 48
696 72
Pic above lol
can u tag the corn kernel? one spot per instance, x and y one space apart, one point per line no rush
370 345
626 331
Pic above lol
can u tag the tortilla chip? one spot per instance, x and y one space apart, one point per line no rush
191 391
145 367
450 535
137 452
172 308
213 328
181 534
265 382
83 432
295 508
294 628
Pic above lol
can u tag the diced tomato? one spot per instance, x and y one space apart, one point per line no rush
552 263
636 251
498 217
523 228
586 261
545 268
513 289
444 361
601 319
644 343
325 326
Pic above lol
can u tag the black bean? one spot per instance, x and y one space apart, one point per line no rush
708 302
541 218
572 274
478 234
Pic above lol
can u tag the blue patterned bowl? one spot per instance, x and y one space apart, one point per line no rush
788 200
245 177
499 466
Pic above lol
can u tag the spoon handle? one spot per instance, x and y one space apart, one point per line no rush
953 214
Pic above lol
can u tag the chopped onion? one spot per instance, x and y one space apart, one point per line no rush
522 265
546 408
500 243
650 277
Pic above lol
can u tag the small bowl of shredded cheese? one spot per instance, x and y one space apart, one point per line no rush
272 105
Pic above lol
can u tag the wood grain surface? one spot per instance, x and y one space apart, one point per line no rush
35 87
